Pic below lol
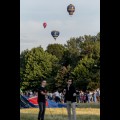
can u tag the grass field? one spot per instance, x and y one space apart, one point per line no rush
84 112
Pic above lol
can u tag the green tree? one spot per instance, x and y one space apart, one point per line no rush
37 64
62 76
56 49
90 46
79 58
86 74
72 54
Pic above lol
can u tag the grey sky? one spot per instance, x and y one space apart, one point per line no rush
86 20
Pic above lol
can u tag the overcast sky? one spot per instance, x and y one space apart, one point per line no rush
86 20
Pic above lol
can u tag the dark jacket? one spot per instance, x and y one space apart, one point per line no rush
69 94
41 97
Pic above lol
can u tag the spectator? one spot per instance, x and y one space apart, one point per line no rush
80 97
50 96
77 96
31 94
62 97
57 96
70 99
84 97
94 96
98 95
42 100
89 97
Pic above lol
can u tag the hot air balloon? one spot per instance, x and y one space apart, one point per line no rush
71 9
55 34
44 24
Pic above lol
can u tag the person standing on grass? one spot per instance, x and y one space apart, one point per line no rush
94 96
42 100
70 99
98 95
78 96
89 97
57 96
81 97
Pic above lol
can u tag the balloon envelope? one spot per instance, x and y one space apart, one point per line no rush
55 34
44 24
71 9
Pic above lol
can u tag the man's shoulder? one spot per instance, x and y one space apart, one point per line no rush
40 88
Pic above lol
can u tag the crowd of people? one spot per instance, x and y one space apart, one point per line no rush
81 97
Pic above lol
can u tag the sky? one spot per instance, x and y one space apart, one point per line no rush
33 13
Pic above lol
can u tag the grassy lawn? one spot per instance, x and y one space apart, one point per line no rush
84 112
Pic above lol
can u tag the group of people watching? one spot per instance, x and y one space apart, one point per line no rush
81 97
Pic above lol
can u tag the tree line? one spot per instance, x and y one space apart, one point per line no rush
78 59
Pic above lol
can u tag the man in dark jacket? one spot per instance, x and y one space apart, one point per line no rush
42 100
70 99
